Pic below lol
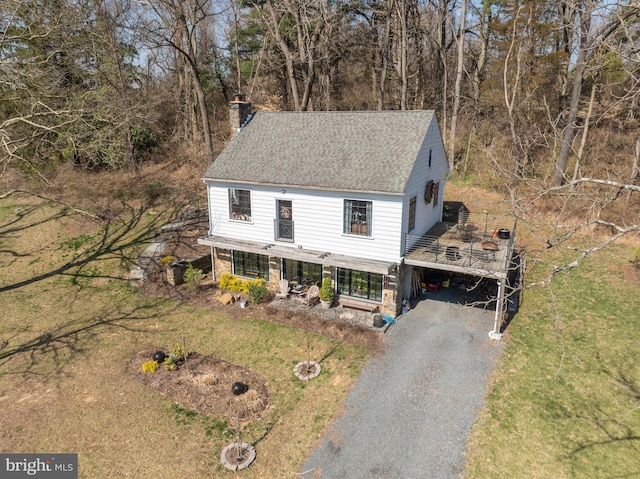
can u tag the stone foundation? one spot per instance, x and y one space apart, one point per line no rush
391 290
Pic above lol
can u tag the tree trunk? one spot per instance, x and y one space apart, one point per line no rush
385 55
286 52
456 95
585 131
481 60
635 169
402 14
581 63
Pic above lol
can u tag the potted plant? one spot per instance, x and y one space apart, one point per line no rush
326 293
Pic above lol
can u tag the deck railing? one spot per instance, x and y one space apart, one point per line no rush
446 252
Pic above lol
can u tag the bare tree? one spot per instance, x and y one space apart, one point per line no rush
64 69
589 41
458 84
300 43
176 25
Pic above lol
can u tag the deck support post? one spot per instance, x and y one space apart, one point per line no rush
496 334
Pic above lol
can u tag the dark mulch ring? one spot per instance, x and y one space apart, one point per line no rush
204 384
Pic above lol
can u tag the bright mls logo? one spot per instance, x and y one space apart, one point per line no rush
45 466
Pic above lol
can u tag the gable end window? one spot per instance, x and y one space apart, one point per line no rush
412 214
357 217
239 204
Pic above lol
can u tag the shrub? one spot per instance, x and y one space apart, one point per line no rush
636 254
175 356
155 190
167 259
192 277
150 366
326 290
244 286
232 283
177 352
257 291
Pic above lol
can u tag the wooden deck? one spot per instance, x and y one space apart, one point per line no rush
463 248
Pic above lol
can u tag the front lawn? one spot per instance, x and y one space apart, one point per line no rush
70 326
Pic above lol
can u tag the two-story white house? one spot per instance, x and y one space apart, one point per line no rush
304 195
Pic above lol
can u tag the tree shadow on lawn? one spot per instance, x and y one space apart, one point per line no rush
614 428
23 213
119 239
116 240
74 337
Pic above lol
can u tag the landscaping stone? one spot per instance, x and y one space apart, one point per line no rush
226 299
307 370
237 456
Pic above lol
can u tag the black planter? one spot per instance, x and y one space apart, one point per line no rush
239 388
378 321
504 234
159 356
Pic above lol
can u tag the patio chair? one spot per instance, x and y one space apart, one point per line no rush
283 292
309 298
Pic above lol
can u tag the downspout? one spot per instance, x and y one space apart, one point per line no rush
213 263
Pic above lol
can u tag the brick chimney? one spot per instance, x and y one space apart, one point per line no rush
239 112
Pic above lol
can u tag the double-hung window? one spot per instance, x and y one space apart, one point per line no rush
357 217
239 204
412 214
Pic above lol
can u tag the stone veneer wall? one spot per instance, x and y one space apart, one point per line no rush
391 296
221 262
239 111
391 291
274 271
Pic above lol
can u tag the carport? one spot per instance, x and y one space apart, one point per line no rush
475 245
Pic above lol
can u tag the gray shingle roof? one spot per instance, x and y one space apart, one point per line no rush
345 151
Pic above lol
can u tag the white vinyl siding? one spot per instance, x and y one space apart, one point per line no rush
318 221
427 214
318 215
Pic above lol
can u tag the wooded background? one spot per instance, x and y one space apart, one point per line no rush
540 95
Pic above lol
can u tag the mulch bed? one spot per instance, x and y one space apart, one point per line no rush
183 245
204 384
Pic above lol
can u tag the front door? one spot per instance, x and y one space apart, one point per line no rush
284 222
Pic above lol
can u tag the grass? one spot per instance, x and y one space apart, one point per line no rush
565 399
69 326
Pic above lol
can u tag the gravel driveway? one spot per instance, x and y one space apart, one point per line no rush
412 408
